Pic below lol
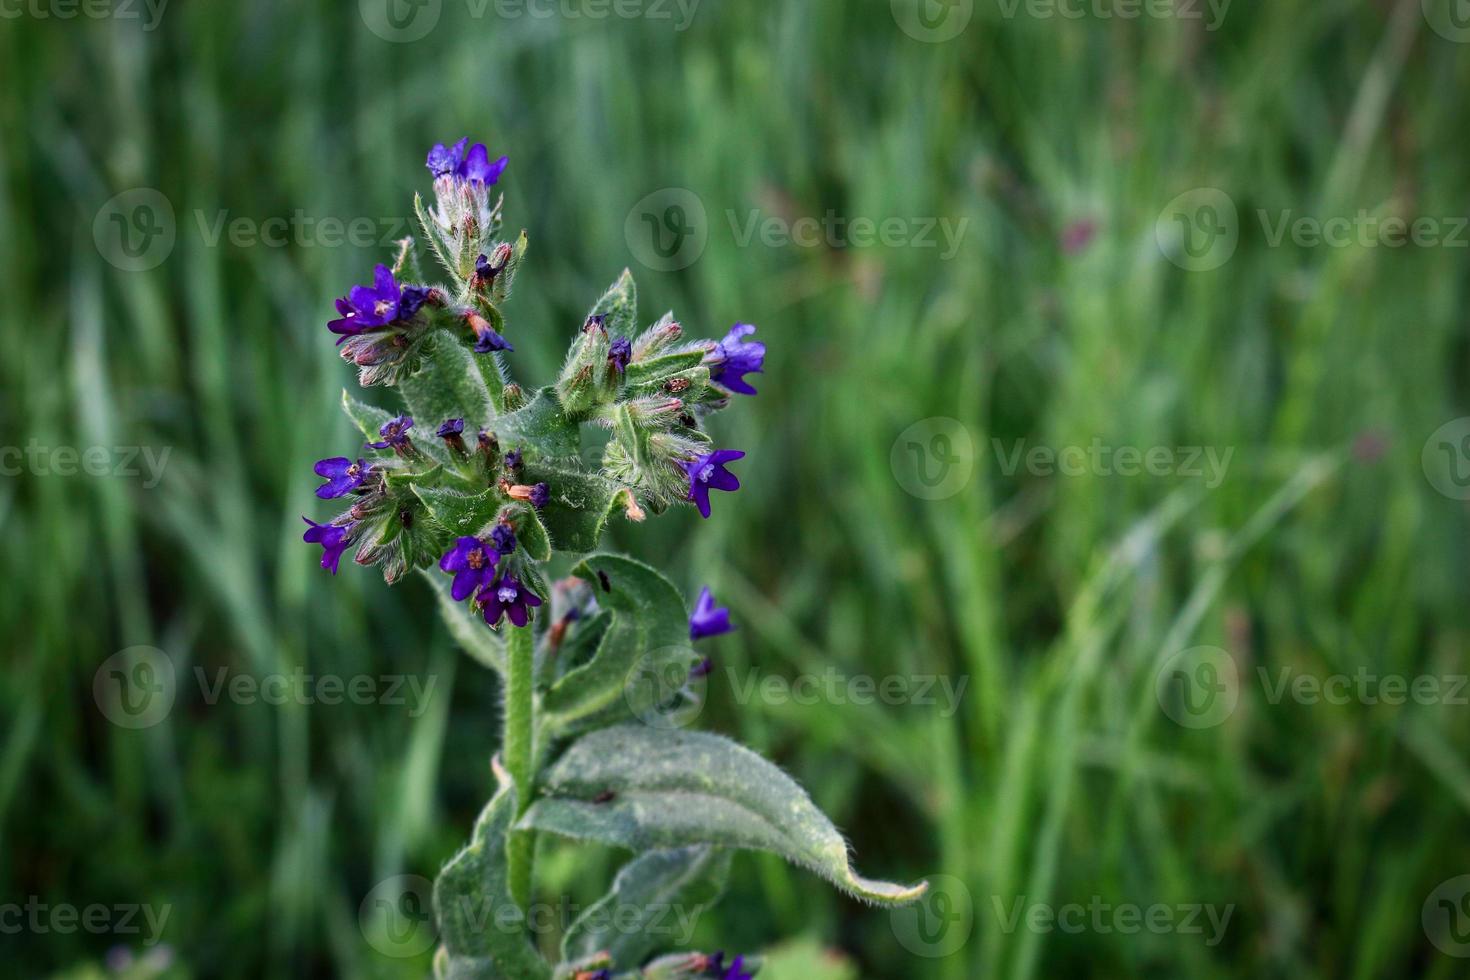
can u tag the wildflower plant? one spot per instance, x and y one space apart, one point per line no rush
480 484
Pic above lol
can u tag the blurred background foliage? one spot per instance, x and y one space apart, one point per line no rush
1058 322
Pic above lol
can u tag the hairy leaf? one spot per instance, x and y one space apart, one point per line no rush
664 789
449 385
620 305
460 513
482 929
580 506
542 426
649 631
654 904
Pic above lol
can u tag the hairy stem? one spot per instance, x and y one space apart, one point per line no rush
518 755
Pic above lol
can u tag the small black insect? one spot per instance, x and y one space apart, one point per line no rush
606 796
602 578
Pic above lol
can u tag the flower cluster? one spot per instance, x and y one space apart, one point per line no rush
651 389
487 480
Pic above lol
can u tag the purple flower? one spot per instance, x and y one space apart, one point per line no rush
451 427
490 341
366 308
707 473
473 563
509 597
333 539
513 459
733 358
707 618
394 433
342 475
504 538
620 353
474 166
715 965
540 494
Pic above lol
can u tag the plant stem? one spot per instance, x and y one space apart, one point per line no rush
520 848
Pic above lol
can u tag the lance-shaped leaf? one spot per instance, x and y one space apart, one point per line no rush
481 927
654 904
663 367
448 385
579 508
541 426
459 513
620 305
468 629
663 789
649 627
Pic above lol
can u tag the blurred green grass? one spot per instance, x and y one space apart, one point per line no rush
1056 598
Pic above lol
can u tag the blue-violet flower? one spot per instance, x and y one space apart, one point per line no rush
473 563
734 357
708 472
707 618
508 597
342 475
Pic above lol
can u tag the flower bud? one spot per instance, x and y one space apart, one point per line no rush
657 338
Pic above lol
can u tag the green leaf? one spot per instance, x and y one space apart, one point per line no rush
460 513
531 534
620 305
542 426
659 368
580 506
368 418
468 629
650 628
484 931
654 902
677 788
448 385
